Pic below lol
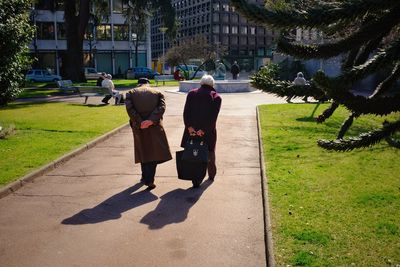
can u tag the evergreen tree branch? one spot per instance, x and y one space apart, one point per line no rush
338 90
363 140
321 15
365 34
327 113
346 125
388 83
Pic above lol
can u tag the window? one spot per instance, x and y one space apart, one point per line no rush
225 40
216 17
61 33
252 30
121 33
216 6
234 29
234 40
243 29
225 18
103 32
216 29
225 7
119 6
234 18
45 30
225 29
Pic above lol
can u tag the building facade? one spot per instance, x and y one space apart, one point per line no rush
108 46
219 22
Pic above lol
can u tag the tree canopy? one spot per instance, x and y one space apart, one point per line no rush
15 35
365 33
196 47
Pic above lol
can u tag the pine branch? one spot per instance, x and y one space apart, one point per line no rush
388 83
363 140
327 113
365 34
367 50
321 15
338 90
286 88
346 125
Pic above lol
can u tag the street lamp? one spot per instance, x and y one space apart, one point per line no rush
163 30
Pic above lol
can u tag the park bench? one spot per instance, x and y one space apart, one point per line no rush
163 78
87 91
66 86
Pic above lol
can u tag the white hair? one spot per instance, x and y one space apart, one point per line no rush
108 76
207 80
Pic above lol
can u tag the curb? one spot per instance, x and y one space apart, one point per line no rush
14 186
267 220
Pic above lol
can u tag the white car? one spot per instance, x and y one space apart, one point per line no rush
91 74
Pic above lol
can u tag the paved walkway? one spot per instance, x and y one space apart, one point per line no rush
92 211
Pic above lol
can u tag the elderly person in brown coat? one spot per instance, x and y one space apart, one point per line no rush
145 107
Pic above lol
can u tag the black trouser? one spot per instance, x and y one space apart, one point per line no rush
148 171
235 76
106 98
211 167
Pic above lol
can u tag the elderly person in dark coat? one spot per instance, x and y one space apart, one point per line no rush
145 107
200 117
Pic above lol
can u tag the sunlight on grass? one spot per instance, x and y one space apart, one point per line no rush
329 208
46 131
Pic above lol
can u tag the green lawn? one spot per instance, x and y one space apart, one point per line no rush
329 208
50 89
46 131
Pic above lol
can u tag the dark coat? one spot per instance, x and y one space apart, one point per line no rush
201 112
235 69
151 144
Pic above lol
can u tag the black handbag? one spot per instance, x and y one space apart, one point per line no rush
192 171
196 150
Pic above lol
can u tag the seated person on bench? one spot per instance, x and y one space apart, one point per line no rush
108 83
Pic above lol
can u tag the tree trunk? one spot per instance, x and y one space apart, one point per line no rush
76 21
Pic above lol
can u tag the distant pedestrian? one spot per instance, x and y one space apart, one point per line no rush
200 117
145 107
108 83
300 81
235 69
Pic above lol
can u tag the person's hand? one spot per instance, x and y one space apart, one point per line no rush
192 131
146 124
200 133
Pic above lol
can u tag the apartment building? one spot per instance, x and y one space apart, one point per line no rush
219 22
108 46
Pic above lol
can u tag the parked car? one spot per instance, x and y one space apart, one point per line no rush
141 72
192 69
41 75
91 73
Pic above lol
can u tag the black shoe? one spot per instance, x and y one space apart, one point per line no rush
211 179
150 187
105 102
195 184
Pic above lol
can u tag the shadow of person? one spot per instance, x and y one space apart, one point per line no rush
174 206
113 207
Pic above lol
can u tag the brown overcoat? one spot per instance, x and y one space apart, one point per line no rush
151 144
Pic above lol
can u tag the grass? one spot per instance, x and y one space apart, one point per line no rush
46 131
329 208
41 89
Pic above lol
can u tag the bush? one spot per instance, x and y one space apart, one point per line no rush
15 34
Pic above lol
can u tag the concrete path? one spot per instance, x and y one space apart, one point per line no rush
92 211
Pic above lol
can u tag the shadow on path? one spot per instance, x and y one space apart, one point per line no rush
113 207
174 206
